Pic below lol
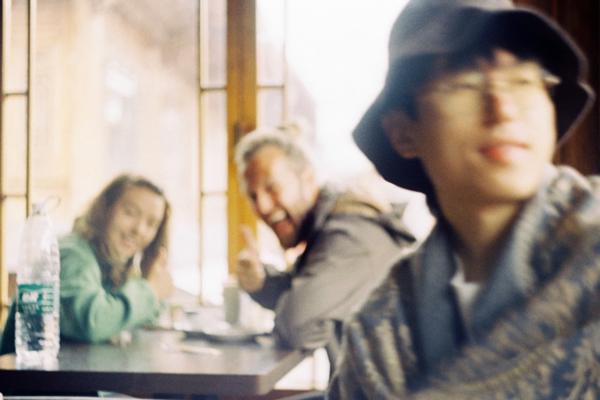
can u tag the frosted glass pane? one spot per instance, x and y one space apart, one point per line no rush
16 52
14 145
214 246
213 34
270 107
13 220
270 40
214 142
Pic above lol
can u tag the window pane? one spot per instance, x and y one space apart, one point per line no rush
116 91
270 107
13 218
270 37
16 52
14 145
184 257
213 32
214 246
214 142
335 71
300 104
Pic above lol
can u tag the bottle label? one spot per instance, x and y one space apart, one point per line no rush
35 298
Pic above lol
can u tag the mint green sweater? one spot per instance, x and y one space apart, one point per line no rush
92 310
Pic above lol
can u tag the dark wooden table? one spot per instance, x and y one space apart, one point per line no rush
155 363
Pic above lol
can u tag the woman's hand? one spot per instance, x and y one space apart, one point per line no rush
158 276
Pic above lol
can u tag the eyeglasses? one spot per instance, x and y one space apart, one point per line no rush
516 80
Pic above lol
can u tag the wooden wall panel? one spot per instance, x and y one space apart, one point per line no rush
581 19
241 113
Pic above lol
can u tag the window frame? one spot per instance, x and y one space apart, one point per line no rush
241 90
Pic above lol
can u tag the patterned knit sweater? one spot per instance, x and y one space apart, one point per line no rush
536 323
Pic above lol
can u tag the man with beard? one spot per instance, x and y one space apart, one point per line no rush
349 240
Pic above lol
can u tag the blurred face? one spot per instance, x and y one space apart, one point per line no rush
485 133
134 221
280 194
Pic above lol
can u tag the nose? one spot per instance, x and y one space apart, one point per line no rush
263 203
139 227
500 104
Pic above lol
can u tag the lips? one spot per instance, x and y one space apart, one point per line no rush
275 217
505 151
129 243
282 225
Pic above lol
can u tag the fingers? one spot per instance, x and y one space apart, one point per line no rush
250 272
247 265
162 252
161 281
162 257
160 261
249 240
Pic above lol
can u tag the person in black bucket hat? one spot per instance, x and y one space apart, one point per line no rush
431 28
501 301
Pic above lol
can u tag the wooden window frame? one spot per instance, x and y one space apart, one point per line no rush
241 91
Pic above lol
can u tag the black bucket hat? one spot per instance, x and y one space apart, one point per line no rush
443 27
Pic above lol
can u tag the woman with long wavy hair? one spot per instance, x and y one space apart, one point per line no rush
113 263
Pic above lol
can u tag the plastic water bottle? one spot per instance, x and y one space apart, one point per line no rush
37 336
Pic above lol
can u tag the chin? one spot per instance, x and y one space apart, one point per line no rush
521 189
288 243
511 194
512 186
124 256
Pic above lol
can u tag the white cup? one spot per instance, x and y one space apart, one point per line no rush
231 301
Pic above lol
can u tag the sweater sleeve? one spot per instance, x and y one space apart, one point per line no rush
91 313
276 283
345 384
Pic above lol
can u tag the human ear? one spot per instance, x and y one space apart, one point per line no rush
400 131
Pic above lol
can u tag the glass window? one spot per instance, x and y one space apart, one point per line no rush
13 216
337 56
270 41
214 246
15 74
213 42
214 151
270 107
115 90
214 142
14 138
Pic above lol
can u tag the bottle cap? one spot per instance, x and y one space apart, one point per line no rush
45 206
38 209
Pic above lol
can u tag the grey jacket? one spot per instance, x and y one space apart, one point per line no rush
350 248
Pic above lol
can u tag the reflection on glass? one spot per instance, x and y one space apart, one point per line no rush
15 78
214 142
270 107
270 39
14 145
115 90
213 42
214 246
